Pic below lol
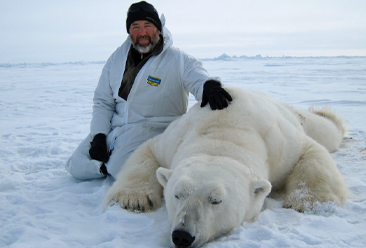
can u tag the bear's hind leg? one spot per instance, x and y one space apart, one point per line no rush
323 126
314 179
136 187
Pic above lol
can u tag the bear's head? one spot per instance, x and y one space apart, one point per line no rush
206 197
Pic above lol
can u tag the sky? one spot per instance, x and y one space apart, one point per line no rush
53 31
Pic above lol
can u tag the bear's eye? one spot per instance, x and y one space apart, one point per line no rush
214 201
177 197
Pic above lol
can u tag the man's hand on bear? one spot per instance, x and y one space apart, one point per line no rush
215 95
98 149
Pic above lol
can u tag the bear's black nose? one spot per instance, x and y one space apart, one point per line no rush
182 238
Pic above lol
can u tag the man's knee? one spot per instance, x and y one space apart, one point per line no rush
81 166
84 170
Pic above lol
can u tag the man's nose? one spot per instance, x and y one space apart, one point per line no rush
142 31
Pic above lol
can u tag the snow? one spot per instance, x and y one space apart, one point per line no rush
45 113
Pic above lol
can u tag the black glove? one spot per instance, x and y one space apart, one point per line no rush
98 149
215 95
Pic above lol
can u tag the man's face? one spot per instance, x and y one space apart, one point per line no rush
144 36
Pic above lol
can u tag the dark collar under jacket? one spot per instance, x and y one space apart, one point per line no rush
135 61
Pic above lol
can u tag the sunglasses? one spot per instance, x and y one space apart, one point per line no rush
138 7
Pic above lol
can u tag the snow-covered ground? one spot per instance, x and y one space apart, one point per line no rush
45 111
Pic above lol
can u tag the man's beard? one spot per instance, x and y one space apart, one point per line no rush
146 48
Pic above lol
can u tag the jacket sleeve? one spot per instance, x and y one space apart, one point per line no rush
104 105
194 76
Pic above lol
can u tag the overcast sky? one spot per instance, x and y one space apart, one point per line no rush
90 30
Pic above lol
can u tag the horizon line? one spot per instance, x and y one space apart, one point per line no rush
224 56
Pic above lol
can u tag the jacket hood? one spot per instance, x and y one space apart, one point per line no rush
168 38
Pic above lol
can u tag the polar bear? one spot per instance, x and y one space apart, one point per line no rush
217 167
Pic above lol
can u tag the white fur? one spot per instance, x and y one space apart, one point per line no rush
217 167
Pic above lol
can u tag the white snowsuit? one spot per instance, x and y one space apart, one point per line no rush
158 96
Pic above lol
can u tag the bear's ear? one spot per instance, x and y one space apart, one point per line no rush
163 175
261 188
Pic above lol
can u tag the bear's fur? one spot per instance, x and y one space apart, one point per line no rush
217 167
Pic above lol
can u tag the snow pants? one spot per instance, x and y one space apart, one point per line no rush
81 166
121 142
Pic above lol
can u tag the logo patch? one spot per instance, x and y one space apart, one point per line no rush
153 81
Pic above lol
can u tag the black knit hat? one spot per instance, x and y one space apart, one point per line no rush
142 11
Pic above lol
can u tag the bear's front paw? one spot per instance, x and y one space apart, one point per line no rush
133 199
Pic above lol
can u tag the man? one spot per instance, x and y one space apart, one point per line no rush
143 87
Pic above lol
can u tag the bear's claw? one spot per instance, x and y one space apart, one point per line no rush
134 200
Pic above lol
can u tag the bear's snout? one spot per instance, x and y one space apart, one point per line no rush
182 238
